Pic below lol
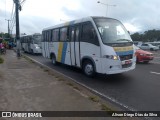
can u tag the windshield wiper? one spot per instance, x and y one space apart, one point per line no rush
124 40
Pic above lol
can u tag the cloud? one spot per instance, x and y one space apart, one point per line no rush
143 15
38 14
30 25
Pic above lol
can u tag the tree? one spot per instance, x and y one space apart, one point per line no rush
5 35
137 37
147 36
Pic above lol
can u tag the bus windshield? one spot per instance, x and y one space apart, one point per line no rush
37 39
112 31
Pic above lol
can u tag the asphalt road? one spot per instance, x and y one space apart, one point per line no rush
134 90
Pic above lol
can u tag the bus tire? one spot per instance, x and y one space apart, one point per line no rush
88 68
151 49
53 59
32 52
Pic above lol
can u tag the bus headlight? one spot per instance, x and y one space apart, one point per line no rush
113 57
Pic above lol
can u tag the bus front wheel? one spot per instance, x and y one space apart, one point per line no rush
32 52
88 68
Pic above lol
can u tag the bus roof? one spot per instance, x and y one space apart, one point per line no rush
31 34
90 18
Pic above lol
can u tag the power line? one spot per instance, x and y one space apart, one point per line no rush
12 11
22 3
13 23
12 18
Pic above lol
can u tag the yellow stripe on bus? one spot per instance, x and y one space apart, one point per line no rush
121 49
60 52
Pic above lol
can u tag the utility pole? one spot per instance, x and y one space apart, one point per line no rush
17 8
108 5
8 28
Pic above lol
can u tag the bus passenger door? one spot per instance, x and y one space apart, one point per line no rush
44 47
75 45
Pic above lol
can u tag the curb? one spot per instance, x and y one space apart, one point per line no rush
76 85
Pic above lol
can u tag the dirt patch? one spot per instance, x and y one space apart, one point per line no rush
1 60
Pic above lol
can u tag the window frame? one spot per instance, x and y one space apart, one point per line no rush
67 36
95 40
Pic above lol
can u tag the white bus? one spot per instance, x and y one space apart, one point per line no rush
31 43
95 44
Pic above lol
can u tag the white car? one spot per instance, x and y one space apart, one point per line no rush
148 46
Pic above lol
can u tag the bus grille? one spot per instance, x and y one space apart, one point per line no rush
126 57
126 65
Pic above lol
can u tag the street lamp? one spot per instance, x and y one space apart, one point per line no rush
8 26
106 5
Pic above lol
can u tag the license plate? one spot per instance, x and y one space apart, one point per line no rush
128 62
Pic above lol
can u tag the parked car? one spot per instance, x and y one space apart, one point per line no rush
148 46
143 56
155 44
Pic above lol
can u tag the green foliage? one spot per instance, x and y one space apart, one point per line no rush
5 35
147 36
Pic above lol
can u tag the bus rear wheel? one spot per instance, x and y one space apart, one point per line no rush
88 68
54 60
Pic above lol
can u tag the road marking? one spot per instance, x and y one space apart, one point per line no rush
155 73
91 89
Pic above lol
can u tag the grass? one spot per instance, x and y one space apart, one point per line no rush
75 87
1 60
94 98
60 79
45 70
104 107
70 84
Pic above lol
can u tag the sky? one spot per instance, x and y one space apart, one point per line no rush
136 15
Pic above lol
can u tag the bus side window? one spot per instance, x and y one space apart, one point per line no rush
77 31
47 36
63 34
55 35
72 34
43 36
89 34
31 40
50 36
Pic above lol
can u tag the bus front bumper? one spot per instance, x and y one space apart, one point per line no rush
116 67
117 70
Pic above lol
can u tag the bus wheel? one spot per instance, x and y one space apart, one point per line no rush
54 60
88 68
32 52
151 49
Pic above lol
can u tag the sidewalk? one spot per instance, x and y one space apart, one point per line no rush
25 86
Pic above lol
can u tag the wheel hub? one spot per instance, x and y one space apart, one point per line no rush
89 69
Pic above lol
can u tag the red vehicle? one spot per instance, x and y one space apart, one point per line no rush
143 56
